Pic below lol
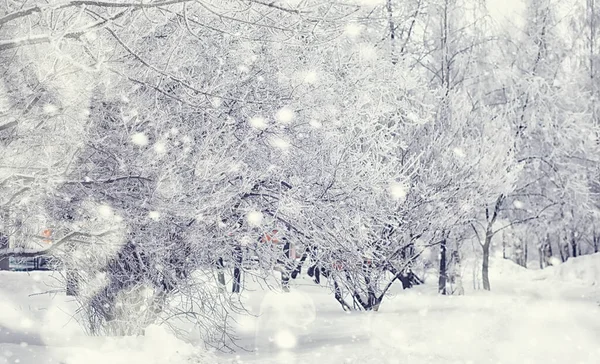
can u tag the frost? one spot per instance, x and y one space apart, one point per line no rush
255 218
285 339
139 139
285 115
154 215
398 191
258 122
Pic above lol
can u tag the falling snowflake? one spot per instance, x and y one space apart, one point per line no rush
398 191
353 30
284 339
105 211
315 124
50 109
459 152
139 139
310 77
160 147
255 218
154 215
258 122
285 115
518 204
278 142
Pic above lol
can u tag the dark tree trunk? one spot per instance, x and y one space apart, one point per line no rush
443 268
237 270
220 273
573 244
486 263
503 246
4 263
525 253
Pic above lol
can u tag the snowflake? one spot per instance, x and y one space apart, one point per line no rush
154 215
255 218
459 152
279 142
139 139
160 147
50 109
398 191
285 115
105 211
258 122
284 339
353 30
310 77
315 124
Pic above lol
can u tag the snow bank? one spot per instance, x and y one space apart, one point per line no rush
584 270
158 346
37 327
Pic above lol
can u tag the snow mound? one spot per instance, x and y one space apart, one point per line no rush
584 269
157 346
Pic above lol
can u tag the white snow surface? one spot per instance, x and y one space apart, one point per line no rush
531 316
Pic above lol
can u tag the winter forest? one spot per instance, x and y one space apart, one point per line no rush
258 181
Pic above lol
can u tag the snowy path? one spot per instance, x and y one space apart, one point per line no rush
528 318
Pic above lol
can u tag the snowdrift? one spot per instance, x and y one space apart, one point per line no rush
583 270
37 326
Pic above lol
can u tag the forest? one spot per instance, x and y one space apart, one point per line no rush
167 157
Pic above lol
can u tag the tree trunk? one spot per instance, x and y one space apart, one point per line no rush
503 246
525 253
486 263
442 279
237 270
4 263
573 244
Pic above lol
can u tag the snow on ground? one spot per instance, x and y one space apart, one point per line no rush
38 328
542 316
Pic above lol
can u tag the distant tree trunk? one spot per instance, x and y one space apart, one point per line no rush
596 241
486 262
564 254
443 268
220 273
503 246
489 234
237 270
4 263
525 253
573 244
